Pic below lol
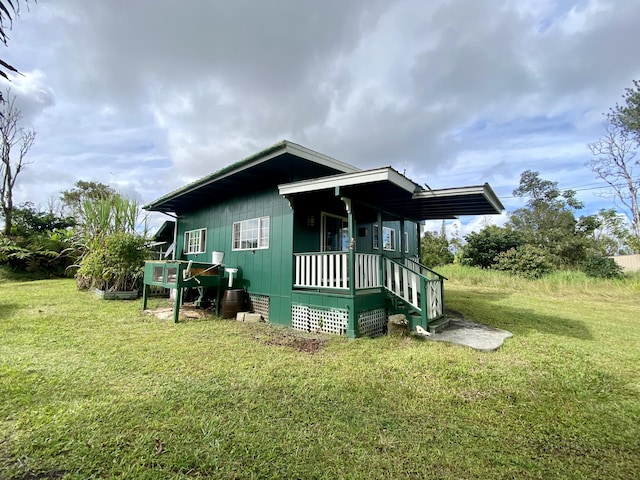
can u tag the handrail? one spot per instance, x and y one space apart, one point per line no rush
421 268
424 294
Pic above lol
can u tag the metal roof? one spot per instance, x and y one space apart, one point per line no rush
299 171
397 196
283 162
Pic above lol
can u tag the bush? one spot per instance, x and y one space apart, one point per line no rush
40 255
525 261
483 247
116 263
601 267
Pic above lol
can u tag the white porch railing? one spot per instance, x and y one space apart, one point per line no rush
321 270
417 285
403 283
368 270
331 270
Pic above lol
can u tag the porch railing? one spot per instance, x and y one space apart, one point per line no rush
423 270
417 285
331 270
321 270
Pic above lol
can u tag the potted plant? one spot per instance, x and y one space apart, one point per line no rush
114 266
112 253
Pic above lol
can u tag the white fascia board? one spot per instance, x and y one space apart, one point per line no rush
348 179
319 158
485 190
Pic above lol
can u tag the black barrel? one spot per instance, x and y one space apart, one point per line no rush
233 302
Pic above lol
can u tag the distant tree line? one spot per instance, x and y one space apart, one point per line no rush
546 234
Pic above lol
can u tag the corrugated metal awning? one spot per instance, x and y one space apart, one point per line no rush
397 196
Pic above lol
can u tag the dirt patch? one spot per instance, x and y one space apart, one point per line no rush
186 313
303 342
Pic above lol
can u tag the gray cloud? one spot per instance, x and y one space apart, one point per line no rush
150 95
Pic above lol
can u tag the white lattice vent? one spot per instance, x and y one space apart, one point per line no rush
313 319
372 323
260 304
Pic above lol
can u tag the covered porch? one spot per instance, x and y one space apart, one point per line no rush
356 246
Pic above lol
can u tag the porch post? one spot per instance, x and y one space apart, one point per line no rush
351 329
352 245
403 247
380 247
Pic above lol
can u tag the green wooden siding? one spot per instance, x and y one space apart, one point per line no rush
262 271
270 271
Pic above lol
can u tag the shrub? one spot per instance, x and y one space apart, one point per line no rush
601 267
116 263
525 261
40 255
483 247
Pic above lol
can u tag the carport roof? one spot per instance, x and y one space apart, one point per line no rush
397 196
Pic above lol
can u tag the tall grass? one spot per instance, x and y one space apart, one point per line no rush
557 284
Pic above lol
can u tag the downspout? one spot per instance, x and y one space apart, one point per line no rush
351 329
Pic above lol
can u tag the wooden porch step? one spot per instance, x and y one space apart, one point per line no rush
438 325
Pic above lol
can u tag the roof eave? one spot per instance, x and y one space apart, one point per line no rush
485 190
280 148
349 179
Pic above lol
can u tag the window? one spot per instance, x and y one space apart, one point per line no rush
388 238
334 233
406 242
251 234
195 241
376 237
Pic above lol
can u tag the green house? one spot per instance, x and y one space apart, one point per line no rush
316 243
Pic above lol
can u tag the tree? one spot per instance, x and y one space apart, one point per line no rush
74 198
15 142
434 250
548 221
615 159
627 116
612 235
29 221
483 247
9 10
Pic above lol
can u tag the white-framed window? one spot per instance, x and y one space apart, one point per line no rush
376 237
388 239
406 242
195 241
251 234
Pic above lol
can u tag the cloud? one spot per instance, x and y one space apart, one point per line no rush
150 95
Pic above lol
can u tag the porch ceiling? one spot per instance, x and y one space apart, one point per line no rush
397 196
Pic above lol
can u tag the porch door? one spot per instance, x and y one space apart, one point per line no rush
334 233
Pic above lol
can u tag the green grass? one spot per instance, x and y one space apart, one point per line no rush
96 389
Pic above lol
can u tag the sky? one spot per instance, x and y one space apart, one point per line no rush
147 96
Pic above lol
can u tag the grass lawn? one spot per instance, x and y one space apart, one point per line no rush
95 389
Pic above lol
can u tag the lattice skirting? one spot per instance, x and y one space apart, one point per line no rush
314 319
260 304
372 323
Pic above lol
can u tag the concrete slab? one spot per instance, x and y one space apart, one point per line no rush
477 336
